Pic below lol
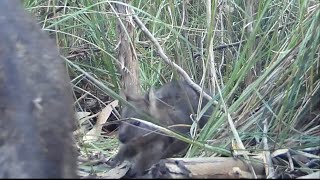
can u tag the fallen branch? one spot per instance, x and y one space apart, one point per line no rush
209 167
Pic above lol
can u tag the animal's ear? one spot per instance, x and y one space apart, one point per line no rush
152 98
126 96
123 94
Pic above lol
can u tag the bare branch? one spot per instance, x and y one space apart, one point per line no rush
168 61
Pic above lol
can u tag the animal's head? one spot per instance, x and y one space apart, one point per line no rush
173 103
150 105
130 128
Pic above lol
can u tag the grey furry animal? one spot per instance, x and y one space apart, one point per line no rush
36 112
174 103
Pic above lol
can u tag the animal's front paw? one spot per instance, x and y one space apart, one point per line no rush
135 171
113 162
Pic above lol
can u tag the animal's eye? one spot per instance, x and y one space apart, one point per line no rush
136 123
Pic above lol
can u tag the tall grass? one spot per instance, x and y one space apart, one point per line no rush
267 71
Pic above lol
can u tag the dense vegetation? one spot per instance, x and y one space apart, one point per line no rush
260 61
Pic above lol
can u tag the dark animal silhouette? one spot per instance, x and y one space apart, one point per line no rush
175 103
36 113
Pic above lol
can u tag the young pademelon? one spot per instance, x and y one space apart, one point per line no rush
174 103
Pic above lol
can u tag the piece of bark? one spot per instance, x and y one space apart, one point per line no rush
209 167
127 56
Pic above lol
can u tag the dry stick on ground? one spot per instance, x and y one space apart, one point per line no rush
204 167
192 84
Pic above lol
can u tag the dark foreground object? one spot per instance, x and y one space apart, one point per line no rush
174 103
36 113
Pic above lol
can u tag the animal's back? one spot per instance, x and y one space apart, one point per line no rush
36 113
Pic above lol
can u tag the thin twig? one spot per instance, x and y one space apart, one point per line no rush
242 41
168 61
